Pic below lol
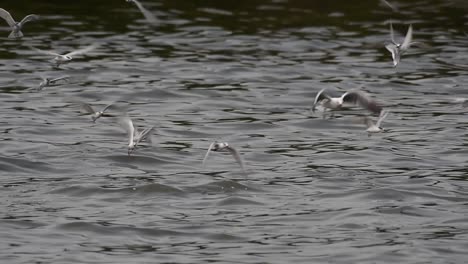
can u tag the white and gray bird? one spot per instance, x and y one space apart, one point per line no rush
150 18
16 26
61 59
377 127
398 49
50 81
95 115
220 146
352 97
134 136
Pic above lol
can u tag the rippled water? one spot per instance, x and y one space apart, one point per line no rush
246 72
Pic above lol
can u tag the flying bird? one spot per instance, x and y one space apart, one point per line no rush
134 136
95 115
398 49
61 59
16 26
150 18
48 81
220 146
352 97
375 128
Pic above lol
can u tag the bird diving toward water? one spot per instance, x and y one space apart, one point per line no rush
375 128
134 136
16 26
61 59
150 18
326 102
220 146
398 49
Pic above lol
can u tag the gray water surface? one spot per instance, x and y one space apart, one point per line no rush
246 72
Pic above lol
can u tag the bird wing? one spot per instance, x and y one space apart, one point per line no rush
394 9
319 97
107 106
46 52
28 18
81 51
127 125
8 18
208 153
408 38
382 116
59 78
369 123
146 13
362 99
392 36
236 156
145 135
87 108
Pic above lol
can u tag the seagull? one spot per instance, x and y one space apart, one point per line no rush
16 26
134 136
48 81
146 13
398 49
61 59
220 146
375 128
353 97
94 114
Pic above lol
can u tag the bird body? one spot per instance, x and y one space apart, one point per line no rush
398 49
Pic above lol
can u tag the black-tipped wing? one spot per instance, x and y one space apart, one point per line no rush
362 99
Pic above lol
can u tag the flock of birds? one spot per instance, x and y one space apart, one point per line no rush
323 101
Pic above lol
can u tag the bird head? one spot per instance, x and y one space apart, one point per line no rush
131 148
219 146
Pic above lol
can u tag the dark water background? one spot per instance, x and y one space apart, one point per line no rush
246 72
